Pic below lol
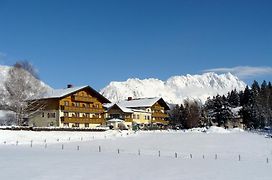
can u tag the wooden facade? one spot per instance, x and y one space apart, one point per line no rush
116 112
79 108
154 113
159 115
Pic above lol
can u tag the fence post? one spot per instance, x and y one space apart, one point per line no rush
81 138
118 151
31 143
99 149
239 157
215 156
176 155
78 148
267 160
45 141
139 152
159 153
45 146
191 156
17 143
203 156
62 146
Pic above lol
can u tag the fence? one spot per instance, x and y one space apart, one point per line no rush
139 152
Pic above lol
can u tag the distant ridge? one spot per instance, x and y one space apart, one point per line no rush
176 88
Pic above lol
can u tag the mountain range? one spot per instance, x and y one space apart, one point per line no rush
175 89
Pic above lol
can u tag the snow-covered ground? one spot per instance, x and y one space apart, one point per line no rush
210 155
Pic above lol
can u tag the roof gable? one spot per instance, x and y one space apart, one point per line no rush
61 93
143 102
123 109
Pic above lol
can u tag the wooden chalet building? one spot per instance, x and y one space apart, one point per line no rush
141 111
71 107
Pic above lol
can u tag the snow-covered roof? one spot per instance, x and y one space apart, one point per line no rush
59 93
124 109
141 102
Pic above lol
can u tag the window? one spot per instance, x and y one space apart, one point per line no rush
134 116
73 104
84 105
77 104
66 103
148 117
76 125
138 116
87 115
87 105
66 114
86 125
96 106
76 114
42 114
51 115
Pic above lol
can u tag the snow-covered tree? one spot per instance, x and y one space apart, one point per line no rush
21 89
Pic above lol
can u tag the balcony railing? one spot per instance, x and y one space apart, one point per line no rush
82 120
128 119
157 108
83 98
160 121
82 109
159 114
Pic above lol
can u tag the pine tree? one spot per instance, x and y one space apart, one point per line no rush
233 98
192 114
177 116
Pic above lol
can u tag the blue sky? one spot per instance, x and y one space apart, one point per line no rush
95 42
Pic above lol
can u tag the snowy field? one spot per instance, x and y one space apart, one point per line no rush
168 155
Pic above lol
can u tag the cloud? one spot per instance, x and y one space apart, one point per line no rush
244 72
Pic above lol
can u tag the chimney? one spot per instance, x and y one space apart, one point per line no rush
69 85
129 98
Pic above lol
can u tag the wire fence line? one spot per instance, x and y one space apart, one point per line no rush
85 147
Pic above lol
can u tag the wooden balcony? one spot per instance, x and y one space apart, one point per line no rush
82 109
128 119
157 108
82 120
159 114
160 121
83 98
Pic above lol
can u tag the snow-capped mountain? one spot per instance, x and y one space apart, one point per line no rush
176 88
